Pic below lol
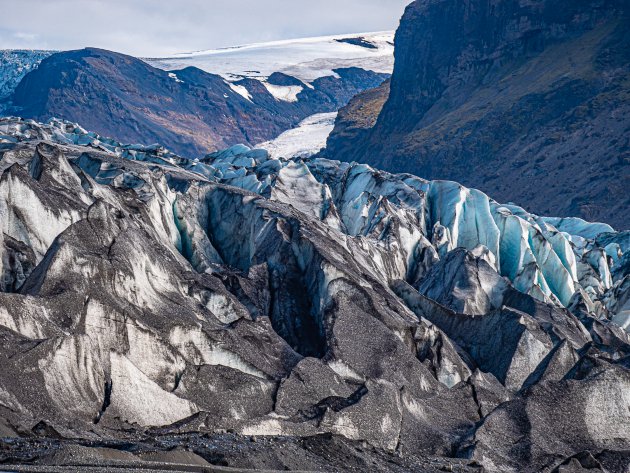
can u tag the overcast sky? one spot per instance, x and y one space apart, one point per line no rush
162 27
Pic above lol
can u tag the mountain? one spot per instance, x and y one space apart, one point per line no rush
190 111
525 100
355 121
254 312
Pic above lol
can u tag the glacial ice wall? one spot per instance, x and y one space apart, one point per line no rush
417 222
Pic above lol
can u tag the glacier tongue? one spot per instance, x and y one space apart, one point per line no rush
414 222
297 297
305 140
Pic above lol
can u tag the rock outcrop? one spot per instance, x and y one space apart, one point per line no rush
524 100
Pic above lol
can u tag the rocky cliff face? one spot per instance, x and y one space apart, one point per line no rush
190 111
526 100
355 121
145 296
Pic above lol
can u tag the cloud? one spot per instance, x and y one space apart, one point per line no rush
21 36
161 27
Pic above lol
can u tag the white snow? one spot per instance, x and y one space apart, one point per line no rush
303 141
173 76
304 58
285 93
240 90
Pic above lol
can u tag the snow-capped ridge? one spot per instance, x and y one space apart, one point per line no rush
307 59
286 93
373 36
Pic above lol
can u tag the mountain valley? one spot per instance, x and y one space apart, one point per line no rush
282 256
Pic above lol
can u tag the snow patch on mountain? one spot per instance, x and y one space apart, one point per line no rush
240 90
286 93
173 76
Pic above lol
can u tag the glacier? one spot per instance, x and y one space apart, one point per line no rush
15 64
536 257
296 297
305 140
403 216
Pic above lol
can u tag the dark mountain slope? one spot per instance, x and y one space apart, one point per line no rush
528 101
190 111
355 120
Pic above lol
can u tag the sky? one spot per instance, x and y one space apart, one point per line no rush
153 28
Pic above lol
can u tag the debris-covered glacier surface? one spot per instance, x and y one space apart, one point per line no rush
146 294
